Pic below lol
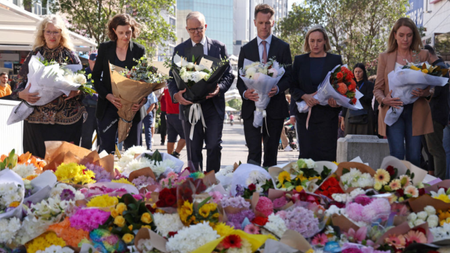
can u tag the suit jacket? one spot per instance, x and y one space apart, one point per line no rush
301 84
278 106
215 49
439 101
421 118
102 84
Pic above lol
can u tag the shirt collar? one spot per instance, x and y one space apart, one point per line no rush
268 40
203 41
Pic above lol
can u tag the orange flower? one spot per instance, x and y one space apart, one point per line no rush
23 158
352 86
342 88
339 76
69 234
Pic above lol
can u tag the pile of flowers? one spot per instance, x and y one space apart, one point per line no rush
143 208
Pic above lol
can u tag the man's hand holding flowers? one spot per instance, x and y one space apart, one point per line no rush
250 94
179 97
213 94
273 91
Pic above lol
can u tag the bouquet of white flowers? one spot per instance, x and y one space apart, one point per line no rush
262 77
402 81
50 80
199 80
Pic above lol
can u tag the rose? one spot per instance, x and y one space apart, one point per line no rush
430 210
339 76
127 238
121 207
171 200
390 170
418 222
114 213
260 220
119 221
146 218
251 187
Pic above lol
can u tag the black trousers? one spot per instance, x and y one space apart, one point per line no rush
163 127
88 127
270 136
108 130
319 141
35 135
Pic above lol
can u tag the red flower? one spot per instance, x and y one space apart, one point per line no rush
352 86
232 241
342 88
171 234
354 101
391 170
400 192
339 76
421 191
252 187
171 200
150 208
260 220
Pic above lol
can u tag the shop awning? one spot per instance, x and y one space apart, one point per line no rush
18 26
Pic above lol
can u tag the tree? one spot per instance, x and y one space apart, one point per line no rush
235 103
358 29
90 18
293 28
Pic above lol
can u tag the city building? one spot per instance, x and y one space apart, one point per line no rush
218 15
244 29
433 16
166 51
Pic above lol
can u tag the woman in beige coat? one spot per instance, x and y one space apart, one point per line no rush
403 46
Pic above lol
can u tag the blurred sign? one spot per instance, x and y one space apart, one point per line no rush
9 57
415 11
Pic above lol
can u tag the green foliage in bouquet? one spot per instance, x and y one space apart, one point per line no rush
144 72
427 69
156 156
248 192
10 161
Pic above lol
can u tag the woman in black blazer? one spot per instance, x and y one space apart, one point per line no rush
319 141
120 51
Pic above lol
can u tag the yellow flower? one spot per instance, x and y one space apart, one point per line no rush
443 197
310 251
146 226
185 210
127 238
114 213
146 218
74 173
119 221
215 216
103 201
121 207
204 211
382 176
414 67
377 186
130 227
212 206
223 229
122 181
299 188
284 176
425 71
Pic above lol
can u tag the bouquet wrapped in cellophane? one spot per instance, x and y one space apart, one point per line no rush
262 77
131 86
50 80
402 81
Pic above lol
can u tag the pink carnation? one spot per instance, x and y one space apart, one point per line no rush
251 229
216 196
88 219
264 206
279 202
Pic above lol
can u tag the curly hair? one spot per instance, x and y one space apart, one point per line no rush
57 21
123 19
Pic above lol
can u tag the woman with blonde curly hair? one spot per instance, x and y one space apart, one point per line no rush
61 118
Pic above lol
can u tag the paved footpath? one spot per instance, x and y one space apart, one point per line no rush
233 147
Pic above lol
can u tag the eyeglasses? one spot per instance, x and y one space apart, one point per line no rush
50 33
192 30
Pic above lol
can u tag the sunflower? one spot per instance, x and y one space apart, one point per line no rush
382 176
284 176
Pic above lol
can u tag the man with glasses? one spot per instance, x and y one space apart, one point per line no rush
214 106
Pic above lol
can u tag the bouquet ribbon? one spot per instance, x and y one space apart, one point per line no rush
195 114
261 113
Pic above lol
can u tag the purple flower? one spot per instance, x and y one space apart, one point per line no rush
239 190
67 194
101 175
236 219
302 220
363 200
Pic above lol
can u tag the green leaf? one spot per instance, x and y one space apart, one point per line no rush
345 171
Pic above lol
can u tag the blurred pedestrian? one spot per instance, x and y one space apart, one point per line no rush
5 88
149 119
163 124
90 103
174 126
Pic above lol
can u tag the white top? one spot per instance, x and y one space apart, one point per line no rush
205 45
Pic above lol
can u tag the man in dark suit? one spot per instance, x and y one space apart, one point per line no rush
265 46
213 107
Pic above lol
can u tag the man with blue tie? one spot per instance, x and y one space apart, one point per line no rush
213 107
265 46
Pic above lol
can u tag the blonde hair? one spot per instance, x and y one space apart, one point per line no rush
57 21
316 28
416 44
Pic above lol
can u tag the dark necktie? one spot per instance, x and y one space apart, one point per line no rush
197 50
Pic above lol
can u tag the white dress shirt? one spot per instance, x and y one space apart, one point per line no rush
261 46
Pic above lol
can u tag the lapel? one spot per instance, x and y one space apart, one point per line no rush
254 50
328 65
390 65
272 48
112 52
305 72
187 50
212 49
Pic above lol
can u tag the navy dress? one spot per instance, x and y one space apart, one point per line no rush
319 141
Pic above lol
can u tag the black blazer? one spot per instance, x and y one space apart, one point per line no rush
439 101
278 106
217 50
101 75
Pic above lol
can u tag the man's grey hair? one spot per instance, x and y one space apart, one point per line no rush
197 15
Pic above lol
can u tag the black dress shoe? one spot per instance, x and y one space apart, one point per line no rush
176 154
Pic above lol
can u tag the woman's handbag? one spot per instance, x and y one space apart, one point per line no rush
358 116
